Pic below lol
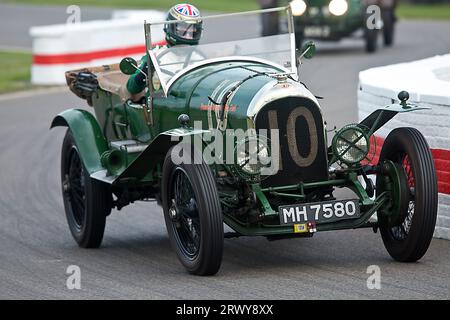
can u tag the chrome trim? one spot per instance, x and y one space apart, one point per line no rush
274 90
149 101
158 71
129 146
120 143
291 29
102 175
136 148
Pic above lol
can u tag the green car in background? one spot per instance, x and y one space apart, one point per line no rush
336 19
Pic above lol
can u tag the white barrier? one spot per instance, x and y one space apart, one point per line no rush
58 48
140 15
428 82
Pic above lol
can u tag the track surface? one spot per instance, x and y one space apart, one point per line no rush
19 18
136 260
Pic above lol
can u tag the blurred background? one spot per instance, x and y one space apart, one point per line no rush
17 16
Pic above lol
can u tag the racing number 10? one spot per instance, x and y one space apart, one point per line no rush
304 112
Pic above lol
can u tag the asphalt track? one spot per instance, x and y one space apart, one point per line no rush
19 18
136 261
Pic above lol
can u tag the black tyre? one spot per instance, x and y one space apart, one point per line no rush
87 202
193 215
408 240
371 38
388 27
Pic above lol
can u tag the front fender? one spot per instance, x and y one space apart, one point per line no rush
88 136
155 153
381 116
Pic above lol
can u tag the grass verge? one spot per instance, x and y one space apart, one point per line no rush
15 71
206 5
425 11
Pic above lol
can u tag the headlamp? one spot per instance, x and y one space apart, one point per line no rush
298 7
338 7
252 155
351 144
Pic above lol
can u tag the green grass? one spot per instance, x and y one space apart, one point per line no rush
425 11
14 71
207 5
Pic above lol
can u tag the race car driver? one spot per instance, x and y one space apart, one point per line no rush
176 34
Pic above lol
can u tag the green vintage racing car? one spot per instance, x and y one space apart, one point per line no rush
332 20
277 180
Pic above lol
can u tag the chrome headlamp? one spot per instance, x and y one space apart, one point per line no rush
252 155
298 7
351 144
338 7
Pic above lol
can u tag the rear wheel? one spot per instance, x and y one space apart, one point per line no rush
407 239
87 202
193 215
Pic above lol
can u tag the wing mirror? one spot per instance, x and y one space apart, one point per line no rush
308 50
128 66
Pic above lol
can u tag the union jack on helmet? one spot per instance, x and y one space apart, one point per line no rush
187 10
189 28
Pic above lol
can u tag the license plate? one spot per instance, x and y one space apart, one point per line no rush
319 32
327 211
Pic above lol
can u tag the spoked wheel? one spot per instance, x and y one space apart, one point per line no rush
87 202
183 212
193 215
407 226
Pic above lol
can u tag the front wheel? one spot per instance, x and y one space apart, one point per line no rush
407 239
193 215
87 202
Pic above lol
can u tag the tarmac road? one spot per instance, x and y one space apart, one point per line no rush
16 21
136 261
